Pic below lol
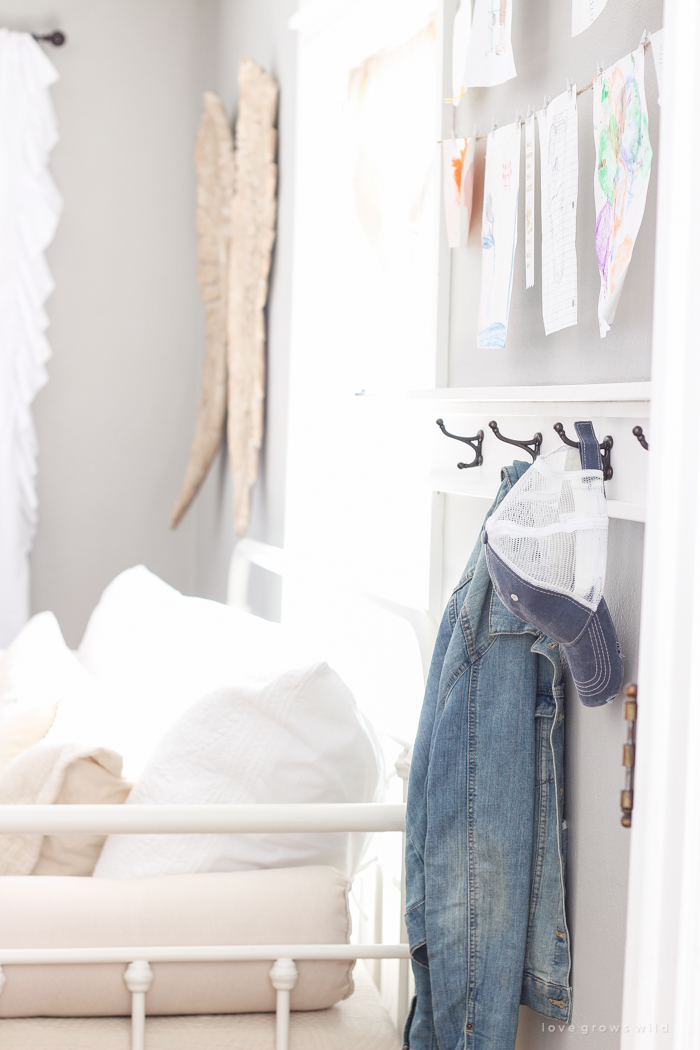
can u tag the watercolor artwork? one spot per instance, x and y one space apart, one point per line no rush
490 56
458 172
584 14
623 165
558 128
499 234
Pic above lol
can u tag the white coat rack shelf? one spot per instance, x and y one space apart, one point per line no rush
614 409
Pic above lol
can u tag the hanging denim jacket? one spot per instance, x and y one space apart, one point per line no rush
485 843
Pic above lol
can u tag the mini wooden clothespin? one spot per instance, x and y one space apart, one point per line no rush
530 111
546 102
645 39
518 117
494 125
569 86
600 67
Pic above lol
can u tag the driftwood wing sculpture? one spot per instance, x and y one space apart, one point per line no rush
214 161
253 215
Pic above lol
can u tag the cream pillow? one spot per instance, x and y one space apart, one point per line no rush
45 775
293 906
87 780
297 738
20 729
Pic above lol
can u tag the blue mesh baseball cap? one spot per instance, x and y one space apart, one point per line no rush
546 549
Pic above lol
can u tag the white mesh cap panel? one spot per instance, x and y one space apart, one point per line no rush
552 527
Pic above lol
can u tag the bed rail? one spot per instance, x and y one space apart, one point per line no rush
195 819
255 818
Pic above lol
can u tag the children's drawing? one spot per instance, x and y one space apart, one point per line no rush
499 234
530 201
657 49
490 56
458 171
584 14
623 164
461 31
558 127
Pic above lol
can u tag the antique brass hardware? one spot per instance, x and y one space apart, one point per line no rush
628 753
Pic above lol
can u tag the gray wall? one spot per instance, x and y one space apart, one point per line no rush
258 28
126 324
545 55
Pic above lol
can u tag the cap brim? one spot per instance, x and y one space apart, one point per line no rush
595 660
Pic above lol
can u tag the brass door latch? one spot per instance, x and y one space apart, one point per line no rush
628 748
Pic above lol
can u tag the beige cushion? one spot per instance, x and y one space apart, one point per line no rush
280 906
47 774
86 780
359 1023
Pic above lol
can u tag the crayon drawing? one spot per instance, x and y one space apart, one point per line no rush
623 164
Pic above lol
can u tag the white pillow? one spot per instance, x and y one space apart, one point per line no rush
298 738
44 688
157 651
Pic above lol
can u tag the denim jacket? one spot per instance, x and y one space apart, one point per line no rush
485 841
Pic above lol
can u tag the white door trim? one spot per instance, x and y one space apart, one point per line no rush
662 971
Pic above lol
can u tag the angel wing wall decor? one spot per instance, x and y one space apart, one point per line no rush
253 215
214 160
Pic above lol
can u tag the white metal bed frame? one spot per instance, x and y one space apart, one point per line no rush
192 819
268 818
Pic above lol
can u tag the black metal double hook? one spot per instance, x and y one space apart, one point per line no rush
535 442
533 445
605 449
476 448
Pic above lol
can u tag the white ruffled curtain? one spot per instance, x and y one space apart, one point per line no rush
30 206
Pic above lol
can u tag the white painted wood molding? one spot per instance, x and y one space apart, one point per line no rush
262 818
662 959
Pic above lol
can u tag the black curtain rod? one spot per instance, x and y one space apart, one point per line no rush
57 38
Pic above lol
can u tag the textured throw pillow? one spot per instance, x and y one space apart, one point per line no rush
156 652
297 738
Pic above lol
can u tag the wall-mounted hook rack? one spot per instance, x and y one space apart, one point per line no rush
535 442
605 449
639 434
476 448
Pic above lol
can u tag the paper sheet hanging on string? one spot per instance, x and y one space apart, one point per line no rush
458 172
623 164
490 57
584 14
461 31
499 234
657 49
530 201
558 127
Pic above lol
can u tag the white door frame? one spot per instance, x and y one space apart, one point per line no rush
662 971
